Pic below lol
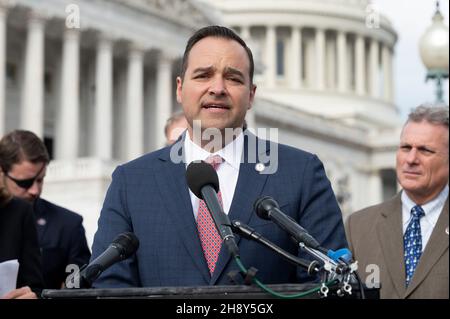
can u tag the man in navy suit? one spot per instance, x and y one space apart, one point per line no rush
61 235
150 197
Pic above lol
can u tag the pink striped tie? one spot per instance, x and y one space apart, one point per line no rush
209 236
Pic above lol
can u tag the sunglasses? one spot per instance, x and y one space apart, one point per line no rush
25 183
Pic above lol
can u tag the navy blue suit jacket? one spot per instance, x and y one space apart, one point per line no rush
149 196
62 241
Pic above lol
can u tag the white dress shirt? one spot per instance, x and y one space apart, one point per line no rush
228 171
432 211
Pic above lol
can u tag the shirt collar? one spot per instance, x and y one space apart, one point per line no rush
431 205
231 153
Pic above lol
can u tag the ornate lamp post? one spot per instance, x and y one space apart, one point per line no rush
433 46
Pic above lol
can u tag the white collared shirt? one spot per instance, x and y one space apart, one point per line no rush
228 171
432 211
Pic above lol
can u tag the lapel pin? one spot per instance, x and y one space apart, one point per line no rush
41 222
260 167
446 230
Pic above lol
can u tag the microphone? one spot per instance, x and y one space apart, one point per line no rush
336 263
267 208
123 246
246 231
203 181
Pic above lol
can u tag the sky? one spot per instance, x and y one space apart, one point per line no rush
410 18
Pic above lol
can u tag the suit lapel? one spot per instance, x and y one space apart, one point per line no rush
248 188
171 181
436 246
389 232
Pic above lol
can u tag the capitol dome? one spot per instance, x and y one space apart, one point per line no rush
330 57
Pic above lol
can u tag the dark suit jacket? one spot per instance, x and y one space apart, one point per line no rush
149 196
18 240
375 236
62 240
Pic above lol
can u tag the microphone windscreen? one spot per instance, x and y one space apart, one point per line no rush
127 243
200 174
263 206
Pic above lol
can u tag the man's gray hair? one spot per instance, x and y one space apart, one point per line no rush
434 114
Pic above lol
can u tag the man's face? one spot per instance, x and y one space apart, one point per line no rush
216 87
25 170
422 160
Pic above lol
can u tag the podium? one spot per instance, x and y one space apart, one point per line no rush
202 292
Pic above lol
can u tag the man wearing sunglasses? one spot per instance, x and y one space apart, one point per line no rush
24 159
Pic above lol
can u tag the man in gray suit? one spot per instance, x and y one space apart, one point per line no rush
403 242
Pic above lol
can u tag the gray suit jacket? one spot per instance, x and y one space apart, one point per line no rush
375 237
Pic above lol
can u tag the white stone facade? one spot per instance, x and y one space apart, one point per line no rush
100 88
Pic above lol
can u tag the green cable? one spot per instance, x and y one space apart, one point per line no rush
277 294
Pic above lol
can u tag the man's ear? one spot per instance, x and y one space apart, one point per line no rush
179 89
252 96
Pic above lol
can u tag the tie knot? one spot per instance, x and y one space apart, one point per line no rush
417 211
214 161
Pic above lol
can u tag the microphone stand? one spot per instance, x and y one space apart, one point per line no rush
249 233
340 271
331 270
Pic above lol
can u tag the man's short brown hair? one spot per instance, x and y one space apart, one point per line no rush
21 145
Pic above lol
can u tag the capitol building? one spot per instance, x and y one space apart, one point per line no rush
96 80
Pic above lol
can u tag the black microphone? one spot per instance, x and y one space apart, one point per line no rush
267 208
123 246
203 181
246 231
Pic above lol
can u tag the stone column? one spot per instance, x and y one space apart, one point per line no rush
135 103
32 104
360 68
245 33
309 66
320 59
374 67
3 16
392 82
67 138
342 61
330 64
271 56
296 57
246 36
103 98
376 188
387 73
163 96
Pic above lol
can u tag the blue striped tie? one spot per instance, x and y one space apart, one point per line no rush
412 242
